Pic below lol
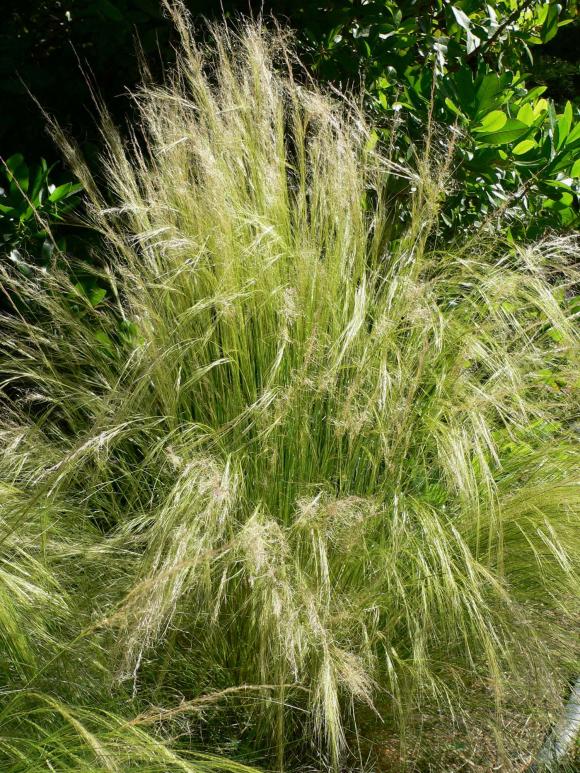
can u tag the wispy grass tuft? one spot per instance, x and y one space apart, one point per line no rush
324 477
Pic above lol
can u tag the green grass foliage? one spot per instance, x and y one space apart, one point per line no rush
289 483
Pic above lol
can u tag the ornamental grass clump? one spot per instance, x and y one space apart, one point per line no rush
291 483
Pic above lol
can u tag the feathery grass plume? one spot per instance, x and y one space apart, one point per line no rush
287 452
39 733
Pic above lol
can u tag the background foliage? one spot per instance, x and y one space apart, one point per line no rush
484 73
28 198
466 65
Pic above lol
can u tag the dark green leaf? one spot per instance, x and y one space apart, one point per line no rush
550 25
64 191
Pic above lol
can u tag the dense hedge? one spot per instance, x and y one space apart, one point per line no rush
473 80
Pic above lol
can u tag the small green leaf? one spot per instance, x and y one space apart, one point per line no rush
568 217
36 189
91 292
463 86
576 169
453 107
563 202
564 124
15 161
523 147
461 18
560 185
473 42
487 92
492 122
511 131
536 92
526 114
129 333
17 173
105 341
574 135
550 25
540 107
96 295
64 191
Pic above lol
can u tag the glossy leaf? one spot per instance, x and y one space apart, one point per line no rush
492 122
550 26
461 18
524 147
511 131
64 191
564 124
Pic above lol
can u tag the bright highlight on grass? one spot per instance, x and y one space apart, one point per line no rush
293 484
